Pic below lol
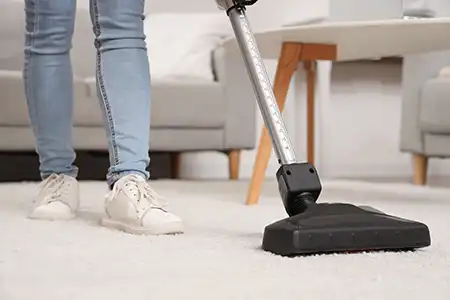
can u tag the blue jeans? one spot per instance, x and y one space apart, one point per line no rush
123 83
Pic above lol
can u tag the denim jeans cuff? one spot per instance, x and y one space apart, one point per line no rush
114 177
72 173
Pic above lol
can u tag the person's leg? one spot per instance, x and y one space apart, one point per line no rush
123 85
47 76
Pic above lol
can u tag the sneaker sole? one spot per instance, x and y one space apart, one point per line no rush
56 211
169 229
51 217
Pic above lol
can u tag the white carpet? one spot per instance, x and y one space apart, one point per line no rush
219 256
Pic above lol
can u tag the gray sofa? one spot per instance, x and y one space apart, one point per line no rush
188 115
425 125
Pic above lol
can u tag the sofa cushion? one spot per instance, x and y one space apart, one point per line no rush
12 34
189 103
13 103
12 26
184 52
434 116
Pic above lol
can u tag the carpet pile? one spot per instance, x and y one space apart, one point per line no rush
219 256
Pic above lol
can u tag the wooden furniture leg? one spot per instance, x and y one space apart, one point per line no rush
175 161
310 68
420 169
287 65
234 163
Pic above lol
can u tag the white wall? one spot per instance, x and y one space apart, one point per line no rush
355 10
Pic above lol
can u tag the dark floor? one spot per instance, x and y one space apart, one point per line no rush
23 166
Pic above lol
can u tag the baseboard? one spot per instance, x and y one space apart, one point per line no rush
218 169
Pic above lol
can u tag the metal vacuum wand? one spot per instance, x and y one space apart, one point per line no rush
260 80
298 183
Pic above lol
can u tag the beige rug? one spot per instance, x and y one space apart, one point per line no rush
219 256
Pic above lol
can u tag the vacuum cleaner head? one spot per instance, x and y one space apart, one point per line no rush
336 227
311 227
314 228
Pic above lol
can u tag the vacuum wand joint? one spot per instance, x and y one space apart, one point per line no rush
299 186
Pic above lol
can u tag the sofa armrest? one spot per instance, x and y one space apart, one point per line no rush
240 123
417 70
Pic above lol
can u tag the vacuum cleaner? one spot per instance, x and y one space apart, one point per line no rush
311 227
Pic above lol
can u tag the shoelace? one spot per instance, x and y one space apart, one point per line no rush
53 185
141 190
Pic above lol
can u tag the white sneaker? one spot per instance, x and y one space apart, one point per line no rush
57 199
134 207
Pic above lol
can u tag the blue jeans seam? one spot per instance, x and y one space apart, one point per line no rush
30 43
105 101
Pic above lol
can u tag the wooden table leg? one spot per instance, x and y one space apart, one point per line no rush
310 68
287 64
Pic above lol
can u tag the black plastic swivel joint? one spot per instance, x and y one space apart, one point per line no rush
299 186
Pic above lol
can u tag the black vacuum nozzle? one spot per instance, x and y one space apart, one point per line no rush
333 227
336 227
